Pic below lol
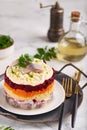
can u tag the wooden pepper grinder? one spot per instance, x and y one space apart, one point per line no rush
56 22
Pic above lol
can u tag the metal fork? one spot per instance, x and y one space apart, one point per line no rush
67 85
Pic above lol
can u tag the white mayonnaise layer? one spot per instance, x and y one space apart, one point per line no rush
17 75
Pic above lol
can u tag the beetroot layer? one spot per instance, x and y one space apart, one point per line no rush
29 88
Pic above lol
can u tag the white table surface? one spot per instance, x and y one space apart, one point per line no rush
27 24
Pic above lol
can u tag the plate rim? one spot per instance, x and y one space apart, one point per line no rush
31 114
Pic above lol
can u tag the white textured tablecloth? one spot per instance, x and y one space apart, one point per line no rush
27 24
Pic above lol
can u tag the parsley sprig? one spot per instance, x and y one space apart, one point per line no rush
42 53
45 53
5 41
24 60
6 128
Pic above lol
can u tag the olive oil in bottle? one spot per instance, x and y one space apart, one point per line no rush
72 46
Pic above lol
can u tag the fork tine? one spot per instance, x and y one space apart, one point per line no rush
70 87
67 85
64 83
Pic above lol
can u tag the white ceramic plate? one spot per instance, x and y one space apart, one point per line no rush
58 98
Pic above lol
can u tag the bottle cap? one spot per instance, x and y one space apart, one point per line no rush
75 15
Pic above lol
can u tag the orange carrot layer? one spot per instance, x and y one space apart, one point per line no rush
25 94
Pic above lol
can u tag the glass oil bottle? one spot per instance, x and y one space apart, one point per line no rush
72 45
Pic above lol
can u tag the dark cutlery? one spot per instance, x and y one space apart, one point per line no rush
75 98
67 85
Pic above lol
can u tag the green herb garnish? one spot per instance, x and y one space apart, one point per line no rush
45 53
42 53
12 71
6 128
24 60
31 75
5 41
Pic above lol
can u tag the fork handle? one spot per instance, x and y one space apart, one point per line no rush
61 116
74 110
